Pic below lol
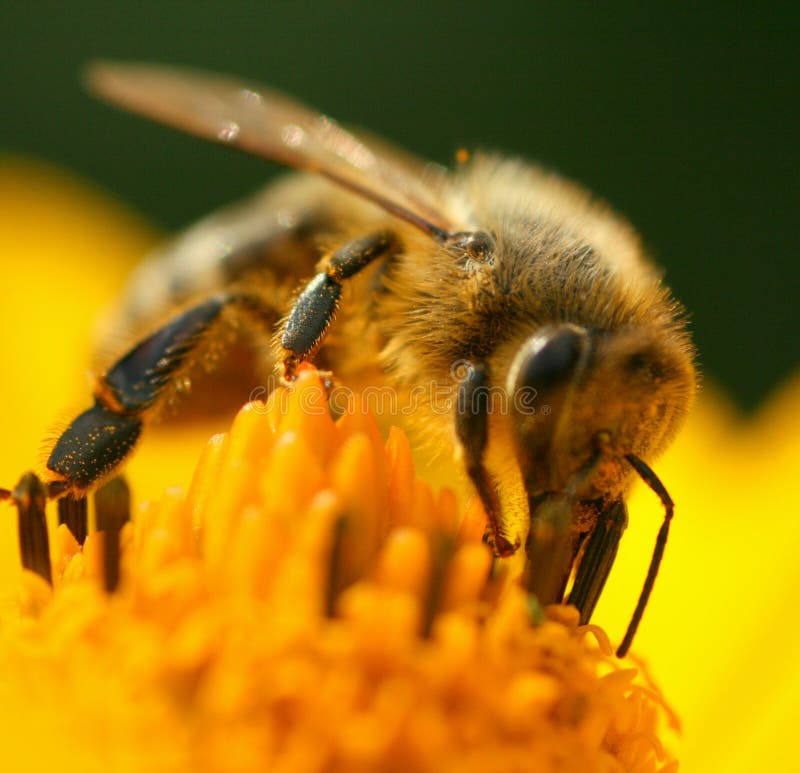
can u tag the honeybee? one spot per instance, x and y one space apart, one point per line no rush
497 279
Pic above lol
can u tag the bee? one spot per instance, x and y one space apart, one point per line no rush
530 306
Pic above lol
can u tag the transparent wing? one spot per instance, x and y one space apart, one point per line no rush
268 124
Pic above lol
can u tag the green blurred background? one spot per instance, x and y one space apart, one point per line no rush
685 120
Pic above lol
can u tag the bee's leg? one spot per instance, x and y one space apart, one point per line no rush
136 384
316 305
598 558
472 429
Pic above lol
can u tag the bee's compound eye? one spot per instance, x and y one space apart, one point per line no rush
551 357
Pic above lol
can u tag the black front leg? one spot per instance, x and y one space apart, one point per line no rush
472 429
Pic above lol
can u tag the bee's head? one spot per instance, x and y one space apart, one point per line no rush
579 392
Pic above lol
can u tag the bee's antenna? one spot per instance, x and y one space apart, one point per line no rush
651 479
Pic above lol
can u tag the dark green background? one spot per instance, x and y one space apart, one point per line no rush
686 120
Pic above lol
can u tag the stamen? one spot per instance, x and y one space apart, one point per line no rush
112 504
651 479
442 550
30 497
335 584
74 513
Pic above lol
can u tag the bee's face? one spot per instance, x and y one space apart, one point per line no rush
616 393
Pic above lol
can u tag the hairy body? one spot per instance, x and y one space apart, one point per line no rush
496 280
407 322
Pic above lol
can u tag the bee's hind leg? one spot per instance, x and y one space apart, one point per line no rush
98 440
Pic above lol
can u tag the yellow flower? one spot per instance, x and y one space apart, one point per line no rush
310 604
719 632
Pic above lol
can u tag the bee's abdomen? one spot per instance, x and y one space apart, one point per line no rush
274 232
